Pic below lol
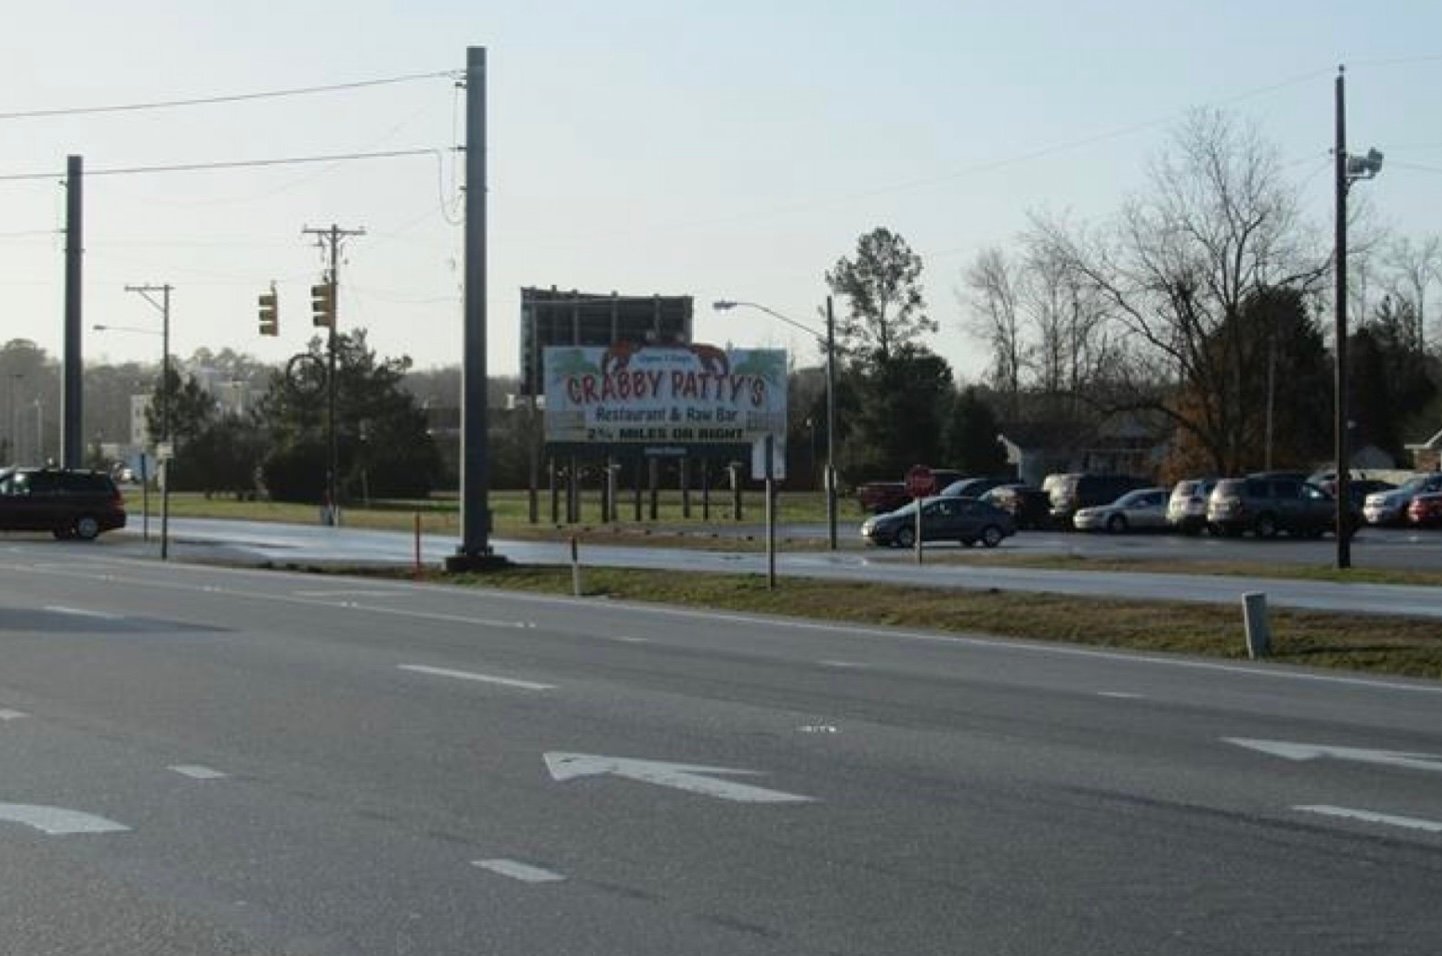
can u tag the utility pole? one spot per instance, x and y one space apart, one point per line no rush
474 552
166 395
325 304
72 412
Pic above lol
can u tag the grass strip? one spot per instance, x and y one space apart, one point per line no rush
1381 645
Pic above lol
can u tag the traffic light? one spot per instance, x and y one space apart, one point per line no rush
322 304
269 313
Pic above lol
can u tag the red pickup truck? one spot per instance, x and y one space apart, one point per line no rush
879 497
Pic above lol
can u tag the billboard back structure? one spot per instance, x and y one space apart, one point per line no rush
670 400
552 317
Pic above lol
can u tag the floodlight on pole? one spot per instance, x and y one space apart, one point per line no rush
827 342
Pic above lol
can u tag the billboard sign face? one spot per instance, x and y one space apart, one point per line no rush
678 400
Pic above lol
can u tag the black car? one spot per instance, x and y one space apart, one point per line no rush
942 519
1029 506
67 503
971 487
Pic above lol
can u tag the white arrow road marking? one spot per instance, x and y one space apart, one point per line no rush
1369 816
12 714
197 772
468 675
680 776
519 871
57 821
1294 751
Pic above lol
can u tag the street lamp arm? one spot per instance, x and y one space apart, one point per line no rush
722 305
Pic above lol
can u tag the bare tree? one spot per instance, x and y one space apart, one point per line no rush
1411 270
1218 227
992 282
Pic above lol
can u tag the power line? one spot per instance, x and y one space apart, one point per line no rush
231 98
230 164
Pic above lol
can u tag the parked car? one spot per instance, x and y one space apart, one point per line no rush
1390 507
1425 511
973 487
1187 506
1072 492
67 503
1028 506
967 520
1268 503
1145 508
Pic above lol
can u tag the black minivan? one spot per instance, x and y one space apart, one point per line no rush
1071 493
67 503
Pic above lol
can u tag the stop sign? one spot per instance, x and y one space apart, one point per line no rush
920 482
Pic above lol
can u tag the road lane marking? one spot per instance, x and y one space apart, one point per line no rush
197 772
351 592
469 675
841 664
57 821
81 612
631 640
1119 695
519 871
1371 816
12 714
1295 751
818 729
679 776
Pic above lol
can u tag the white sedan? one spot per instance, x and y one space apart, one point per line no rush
1145 508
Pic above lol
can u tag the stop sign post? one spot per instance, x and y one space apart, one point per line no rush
920 483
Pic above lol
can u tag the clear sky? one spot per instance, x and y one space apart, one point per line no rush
720 150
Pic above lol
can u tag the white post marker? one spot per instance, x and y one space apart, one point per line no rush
1295 751
678 776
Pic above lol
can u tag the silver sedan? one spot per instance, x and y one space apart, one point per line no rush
1145 508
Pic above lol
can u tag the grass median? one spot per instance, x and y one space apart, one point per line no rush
1387 645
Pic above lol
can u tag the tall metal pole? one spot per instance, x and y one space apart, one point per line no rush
830 424
1344 541
166 395
72 414
475 550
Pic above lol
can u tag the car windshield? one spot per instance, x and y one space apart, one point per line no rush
1416 483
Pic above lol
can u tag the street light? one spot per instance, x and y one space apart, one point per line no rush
163 307
1350 169
828 342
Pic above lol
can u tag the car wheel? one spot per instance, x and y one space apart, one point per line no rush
905 538
1116 524
1266 526
87 527
991 536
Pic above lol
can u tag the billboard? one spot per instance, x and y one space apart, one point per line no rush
663 400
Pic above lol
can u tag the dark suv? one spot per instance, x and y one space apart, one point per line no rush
1268 503
68 504
1073 492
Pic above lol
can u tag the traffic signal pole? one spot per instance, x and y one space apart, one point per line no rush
325 306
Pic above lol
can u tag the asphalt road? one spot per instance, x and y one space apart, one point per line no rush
199 759
257 542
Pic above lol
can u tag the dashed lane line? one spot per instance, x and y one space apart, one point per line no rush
519 871
197 772
472 676
1371 816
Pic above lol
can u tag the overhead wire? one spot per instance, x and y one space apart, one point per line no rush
227 164
226 98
